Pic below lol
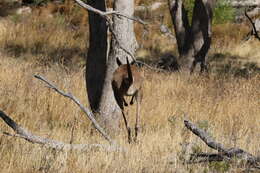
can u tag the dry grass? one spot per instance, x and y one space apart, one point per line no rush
44 38
227 107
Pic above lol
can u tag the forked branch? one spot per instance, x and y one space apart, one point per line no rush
106 16
107 13
223 153
20 132
87 112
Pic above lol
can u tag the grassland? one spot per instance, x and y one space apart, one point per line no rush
226 103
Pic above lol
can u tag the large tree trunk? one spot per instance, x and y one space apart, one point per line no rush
193 40
97 55
100 68
124 31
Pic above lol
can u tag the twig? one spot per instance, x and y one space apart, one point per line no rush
229 153
20 132
87 112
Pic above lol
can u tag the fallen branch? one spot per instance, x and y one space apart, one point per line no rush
87 112
222 151
20 132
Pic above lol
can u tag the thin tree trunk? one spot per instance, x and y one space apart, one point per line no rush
97 55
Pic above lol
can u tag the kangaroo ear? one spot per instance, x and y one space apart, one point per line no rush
130 75
118 62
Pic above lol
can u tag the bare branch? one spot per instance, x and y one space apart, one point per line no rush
223 152
87 112
20 132
255 33
106 14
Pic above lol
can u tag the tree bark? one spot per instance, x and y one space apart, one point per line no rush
182 31
124 30
193 40
97 55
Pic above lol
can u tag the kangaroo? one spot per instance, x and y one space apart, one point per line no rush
127 81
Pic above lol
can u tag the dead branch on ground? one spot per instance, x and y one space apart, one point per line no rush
223 153
21 132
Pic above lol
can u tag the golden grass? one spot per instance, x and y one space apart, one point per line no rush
230 107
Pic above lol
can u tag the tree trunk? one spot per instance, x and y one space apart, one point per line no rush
124 31
182 31
100 68
201 30
193 40
97 55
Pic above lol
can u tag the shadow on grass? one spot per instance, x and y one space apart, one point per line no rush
45 54
166 61
225 64
8 7
221 64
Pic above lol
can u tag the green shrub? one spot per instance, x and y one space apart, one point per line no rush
223 12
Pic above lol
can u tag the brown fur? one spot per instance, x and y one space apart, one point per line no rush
127 81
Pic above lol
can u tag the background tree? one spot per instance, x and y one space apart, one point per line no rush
193 39
100 65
